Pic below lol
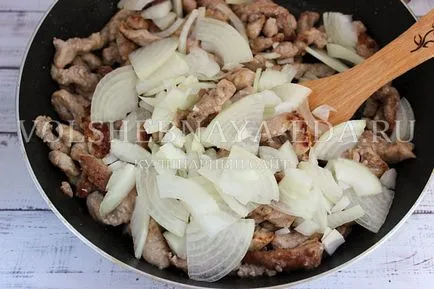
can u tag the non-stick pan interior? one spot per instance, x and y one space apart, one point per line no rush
68 18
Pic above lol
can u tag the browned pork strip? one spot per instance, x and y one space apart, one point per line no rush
261 238
156 251
96 171
267 213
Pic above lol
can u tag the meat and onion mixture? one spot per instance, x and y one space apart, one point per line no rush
188 123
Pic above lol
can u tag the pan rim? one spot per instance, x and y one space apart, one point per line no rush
87 242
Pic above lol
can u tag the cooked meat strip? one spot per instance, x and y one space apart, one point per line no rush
391 153
66 51
110 54
66 189
90 60
65 163
292 127
242 93
306 256
110 31
121 215
270 28
366 46
69 135
313 36
242 78
137 22
287 49
181 116
69 107
216 14
267 213
250 271
98 137
178 262
319 70
44 130
345 229
261 238
387 101
84 187
141 37
258 61
254 28
79 149
307 20
189 5
369 158
156 251
211 103
222 153
103 70
96 171
125 46
289 241
76 75
261 44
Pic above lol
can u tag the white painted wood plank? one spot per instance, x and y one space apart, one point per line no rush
22 5
15 30
8 85
57 259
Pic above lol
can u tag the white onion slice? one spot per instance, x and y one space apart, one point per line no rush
175 67
296 183
174 136
340 29
332 241
227 250
116 165
134 5
272 78
109 159
165 22
224 40
388 179
341 205
376 207
201 63
307 228
283 231
158 10
177 7
171 29
106 104
257 79
239 125
343 217
404 129
125 180
341 52
148 59
358 176
322 112
338 139
182 47
128 152
235 20
170 214
192 144
177 244
292 95
168 159
129 128
245 170
326 59
139 225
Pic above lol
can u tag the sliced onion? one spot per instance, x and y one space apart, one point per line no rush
359 177
341 52
300 205
128 152
109 159
245 170
172 29
404 129
192 144
129 128
239 125
339 139
177 7
175 67
139 225
332 241
224 40
307 228
340 29
125 180
292 95
116 165
376 207
326 59
135 5
272 78
235 20
343 217
174 136
186 30
165 22
148 59
281 232
170 214
227 250
201 63
177 244
257 79
341 205
106 104
322 112
271 55
159 10
296 183
388 179
168 159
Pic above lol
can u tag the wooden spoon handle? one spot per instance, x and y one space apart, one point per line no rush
407 51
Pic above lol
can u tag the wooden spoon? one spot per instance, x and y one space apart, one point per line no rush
347 91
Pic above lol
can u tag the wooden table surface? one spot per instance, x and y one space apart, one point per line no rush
38 251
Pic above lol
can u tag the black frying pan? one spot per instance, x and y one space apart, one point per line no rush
69 18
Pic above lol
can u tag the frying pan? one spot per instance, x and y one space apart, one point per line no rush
70 18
